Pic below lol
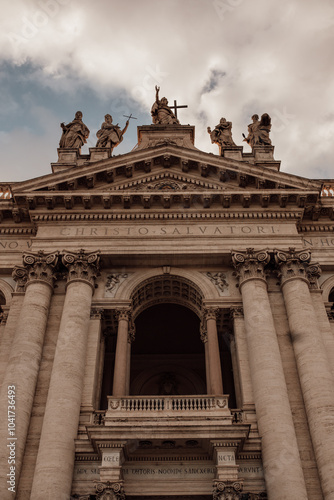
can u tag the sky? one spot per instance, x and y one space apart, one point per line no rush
221 58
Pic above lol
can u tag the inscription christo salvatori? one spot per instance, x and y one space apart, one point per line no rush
170 230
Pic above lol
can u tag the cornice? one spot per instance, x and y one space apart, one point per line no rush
51 200
190 216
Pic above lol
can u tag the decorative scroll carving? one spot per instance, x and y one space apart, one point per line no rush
293 264
37 267
250 264
20 275
219 279
110 491
313 272
203 331
82 266
227 490
3 316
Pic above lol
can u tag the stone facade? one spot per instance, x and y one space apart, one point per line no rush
167 327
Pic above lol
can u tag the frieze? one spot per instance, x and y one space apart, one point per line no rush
168 230
12 245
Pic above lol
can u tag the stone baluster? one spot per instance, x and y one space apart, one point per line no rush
281 460
25 356
215 371
315 374
55 459
121 373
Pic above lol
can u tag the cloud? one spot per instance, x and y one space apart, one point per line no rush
229 58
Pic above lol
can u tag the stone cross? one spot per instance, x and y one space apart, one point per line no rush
175 107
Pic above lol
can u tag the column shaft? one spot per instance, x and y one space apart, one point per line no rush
56 453
316 377
22 371
25 357
282 466
121 356
213 353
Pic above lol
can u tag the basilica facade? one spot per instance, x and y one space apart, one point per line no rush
167 325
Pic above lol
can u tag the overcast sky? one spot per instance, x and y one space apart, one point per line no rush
230 58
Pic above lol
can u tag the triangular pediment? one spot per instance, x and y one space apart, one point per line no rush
150 167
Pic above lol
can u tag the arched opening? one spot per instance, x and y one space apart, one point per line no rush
2 299
168 355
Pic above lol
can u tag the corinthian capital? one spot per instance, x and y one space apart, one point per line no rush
110 491
38 267
210 313
82 266
292 264
250 264
227 490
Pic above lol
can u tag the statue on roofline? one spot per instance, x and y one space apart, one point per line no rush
258 131
222 134
75 133
110 135
161 112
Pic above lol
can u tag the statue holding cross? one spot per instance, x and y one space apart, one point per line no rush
162 114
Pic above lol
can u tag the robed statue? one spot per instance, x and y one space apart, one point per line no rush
110 135
258 131
222 134
75 133
161 112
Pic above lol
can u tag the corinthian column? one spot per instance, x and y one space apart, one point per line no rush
313 366
213 354
122 355
25 357
281 460
55 459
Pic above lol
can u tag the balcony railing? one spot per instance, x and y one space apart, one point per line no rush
164 406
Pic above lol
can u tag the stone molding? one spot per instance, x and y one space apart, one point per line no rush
250 264
293 264
82 266
110 491
216 216
227 490
38 267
